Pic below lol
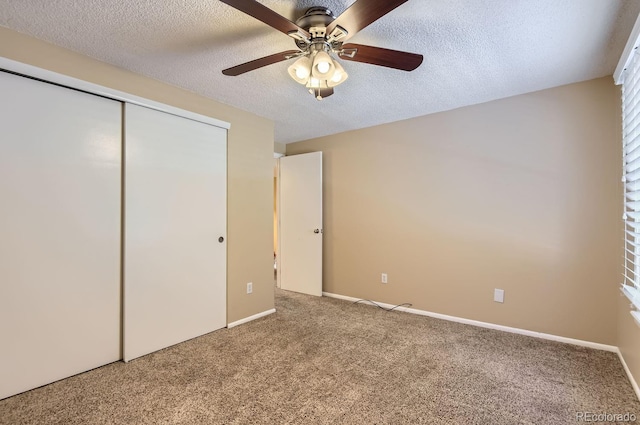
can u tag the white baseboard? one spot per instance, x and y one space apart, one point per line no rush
250 318
634 384
534 334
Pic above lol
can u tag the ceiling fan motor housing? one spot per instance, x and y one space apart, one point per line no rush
313 20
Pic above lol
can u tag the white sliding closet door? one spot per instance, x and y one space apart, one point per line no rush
60 169
175 213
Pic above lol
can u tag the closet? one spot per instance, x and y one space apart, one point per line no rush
112 230
175 225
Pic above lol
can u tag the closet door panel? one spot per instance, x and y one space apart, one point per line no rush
60 191
175 211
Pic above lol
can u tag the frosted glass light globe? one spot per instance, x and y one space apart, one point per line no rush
323 67
302 73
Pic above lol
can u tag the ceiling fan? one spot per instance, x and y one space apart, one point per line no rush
318 34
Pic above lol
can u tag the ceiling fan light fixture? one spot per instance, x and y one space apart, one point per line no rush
323 66
300 70
339 75
316 83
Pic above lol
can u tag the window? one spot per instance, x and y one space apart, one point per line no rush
628 73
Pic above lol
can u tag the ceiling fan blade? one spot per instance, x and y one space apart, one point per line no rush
259 63
362 13
383 57
266 15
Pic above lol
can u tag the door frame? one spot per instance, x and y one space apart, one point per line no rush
277 205
276 175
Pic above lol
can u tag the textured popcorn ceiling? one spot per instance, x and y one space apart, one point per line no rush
474 51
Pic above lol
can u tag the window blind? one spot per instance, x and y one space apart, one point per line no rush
631 181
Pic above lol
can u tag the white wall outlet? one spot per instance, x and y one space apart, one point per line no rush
249 287
498 295
384 278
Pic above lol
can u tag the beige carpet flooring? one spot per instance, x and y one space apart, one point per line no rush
326 361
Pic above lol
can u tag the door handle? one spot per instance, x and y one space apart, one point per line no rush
316 231
220 239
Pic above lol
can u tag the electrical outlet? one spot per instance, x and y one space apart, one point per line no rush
498 295
249 287
384 278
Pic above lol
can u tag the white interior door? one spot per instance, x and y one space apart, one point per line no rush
300 211
60 168
175 213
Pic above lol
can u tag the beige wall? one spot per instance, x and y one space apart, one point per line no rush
250 163
629 338
279 148
521 194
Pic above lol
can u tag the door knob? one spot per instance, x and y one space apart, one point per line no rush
220 239
316 231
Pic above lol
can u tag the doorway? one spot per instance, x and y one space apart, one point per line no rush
276 158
